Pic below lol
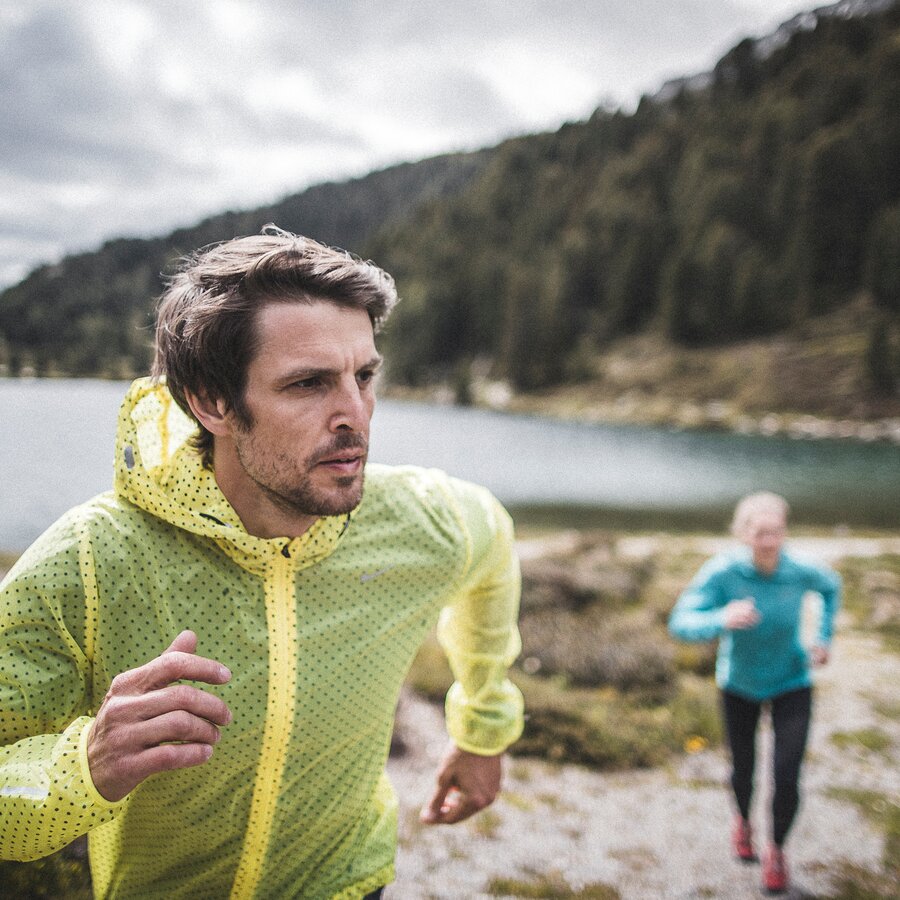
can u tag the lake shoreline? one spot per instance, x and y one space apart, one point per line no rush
575 405
548 470
637 544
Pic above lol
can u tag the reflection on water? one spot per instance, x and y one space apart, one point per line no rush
56 450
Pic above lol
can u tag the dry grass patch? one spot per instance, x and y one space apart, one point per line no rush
855 883
549 885
872 739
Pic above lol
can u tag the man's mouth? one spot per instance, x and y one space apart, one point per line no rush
346 462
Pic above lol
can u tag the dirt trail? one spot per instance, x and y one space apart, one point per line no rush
660 833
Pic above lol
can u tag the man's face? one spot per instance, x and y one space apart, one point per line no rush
310 394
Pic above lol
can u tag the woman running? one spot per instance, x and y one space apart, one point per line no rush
751 600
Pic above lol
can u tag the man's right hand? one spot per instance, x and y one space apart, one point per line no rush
144 712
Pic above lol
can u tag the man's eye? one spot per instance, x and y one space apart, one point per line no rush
366 376
308 383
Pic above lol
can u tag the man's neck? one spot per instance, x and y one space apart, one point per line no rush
259 512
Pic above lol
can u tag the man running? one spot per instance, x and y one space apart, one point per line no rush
199 669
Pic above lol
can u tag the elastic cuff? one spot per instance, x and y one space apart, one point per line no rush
90 788
477 751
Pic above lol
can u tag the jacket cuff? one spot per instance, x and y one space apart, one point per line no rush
84 725
485 731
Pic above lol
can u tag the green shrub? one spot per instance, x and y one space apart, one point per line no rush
872 594
595 646
600 727
64 874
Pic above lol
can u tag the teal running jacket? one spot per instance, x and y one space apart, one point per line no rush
770 658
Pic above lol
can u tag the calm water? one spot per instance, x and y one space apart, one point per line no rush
56 441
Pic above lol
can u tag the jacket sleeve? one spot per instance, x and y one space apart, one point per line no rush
484 710
828 584
47 798
698 614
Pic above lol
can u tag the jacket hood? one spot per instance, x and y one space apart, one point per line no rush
158 470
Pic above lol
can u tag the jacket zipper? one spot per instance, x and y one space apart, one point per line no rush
281 622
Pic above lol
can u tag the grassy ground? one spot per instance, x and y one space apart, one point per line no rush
606 688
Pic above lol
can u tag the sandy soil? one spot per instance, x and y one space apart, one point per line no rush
659 833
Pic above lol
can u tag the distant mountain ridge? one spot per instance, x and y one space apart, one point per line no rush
764 47
91 313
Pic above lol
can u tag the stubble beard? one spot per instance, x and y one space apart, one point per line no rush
299 495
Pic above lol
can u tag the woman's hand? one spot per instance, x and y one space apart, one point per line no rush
819 655
741 614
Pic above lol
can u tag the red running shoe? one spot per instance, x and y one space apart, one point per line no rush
742 840
774 870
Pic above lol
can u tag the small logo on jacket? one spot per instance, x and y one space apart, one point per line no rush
371 576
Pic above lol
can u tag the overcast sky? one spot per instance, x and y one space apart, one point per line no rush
121 117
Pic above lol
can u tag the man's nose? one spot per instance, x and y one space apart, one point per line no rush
351 411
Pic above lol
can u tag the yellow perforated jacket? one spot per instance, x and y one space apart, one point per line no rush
318 632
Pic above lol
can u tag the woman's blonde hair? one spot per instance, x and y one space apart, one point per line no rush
752 504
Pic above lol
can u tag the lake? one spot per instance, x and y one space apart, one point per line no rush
56 443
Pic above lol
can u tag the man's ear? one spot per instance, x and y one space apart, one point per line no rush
211 414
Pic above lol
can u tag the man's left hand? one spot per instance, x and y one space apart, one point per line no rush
466 783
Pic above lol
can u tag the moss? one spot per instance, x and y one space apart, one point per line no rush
873 739
884 813
61 875
486 824
552 886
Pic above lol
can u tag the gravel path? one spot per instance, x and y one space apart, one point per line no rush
659 833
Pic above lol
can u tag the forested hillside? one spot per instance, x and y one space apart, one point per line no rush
757 201
739 209
92 314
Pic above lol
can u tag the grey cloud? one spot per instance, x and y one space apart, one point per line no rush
151 156
64 113
451 97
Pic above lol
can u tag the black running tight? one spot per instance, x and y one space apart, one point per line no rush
790 723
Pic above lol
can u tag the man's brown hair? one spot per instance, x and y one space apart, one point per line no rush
206 333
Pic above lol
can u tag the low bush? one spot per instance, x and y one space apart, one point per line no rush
600 727
872 594
596 647
64 874
588 572
607 729
604 683
699 658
